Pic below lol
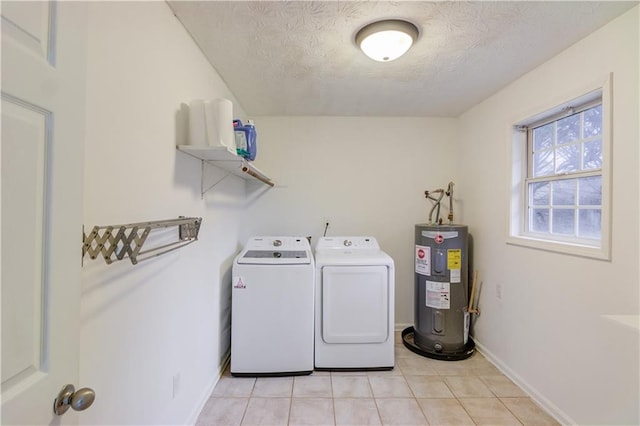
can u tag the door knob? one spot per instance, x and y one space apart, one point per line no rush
79 400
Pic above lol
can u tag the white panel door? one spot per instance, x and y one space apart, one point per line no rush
355 304
43 97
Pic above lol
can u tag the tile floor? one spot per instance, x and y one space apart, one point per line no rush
418 391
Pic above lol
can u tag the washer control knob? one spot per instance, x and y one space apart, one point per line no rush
348 243
277 243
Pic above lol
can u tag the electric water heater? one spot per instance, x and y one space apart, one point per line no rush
441 288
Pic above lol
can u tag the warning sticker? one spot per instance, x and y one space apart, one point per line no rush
454 259
454 263
438 295
238 282
423 260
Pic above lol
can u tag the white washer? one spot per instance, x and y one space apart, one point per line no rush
355 288
272 308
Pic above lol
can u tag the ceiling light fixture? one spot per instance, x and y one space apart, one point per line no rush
386 40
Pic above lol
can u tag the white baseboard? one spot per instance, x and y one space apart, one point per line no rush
193 418
536 396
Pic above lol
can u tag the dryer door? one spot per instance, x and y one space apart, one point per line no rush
355 304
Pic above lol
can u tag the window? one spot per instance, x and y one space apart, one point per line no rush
560 178
564 179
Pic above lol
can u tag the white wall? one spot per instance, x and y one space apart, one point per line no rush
548 331
143 324
366 175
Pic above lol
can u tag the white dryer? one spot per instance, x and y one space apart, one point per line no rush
355 289
272 303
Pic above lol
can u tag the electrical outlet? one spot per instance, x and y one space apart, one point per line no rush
176 385
499 291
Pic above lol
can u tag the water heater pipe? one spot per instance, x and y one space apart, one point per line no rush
450 195
437 202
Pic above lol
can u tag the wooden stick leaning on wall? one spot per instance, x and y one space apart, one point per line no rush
472 309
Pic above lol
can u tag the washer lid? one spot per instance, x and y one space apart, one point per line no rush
275 257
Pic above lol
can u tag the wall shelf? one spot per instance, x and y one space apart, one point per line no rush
224 159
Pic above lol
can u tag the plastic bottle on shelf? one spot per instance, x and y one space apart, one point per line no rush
245 136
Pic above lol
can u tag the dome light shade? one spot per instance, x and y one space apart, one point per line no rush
386 40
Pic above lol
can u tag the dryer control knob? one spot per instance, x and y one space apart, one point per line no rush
277 243
348 243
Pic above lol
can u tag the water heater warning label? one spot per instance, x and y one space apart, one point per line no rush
454 263
454 259
423 260
438 295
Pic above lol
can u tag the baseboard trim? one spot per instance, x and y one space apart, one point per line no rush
536 396
208 391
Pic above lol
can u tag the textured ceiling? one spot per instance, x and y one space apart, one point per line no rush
299 58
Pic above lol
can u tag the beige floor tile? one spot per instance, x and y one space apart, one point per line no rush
416 367
394 372
403 352
528 412
390 387
467 387
400 351
439 392
312 387
479 364
349 373
501 386
267 411
476 358
356 411
400 411
428 387
273 387
222 412
488 411
444 412
311 411
453 368
234 386
487 369
351 387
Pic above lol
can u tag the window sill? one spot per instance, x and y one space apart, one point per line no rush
592 252
632 321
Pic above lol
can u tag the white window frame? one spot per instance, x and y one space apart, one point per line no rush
518 214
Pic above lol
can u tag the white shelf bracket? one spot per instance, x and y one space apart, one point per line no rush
224 160
204 191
